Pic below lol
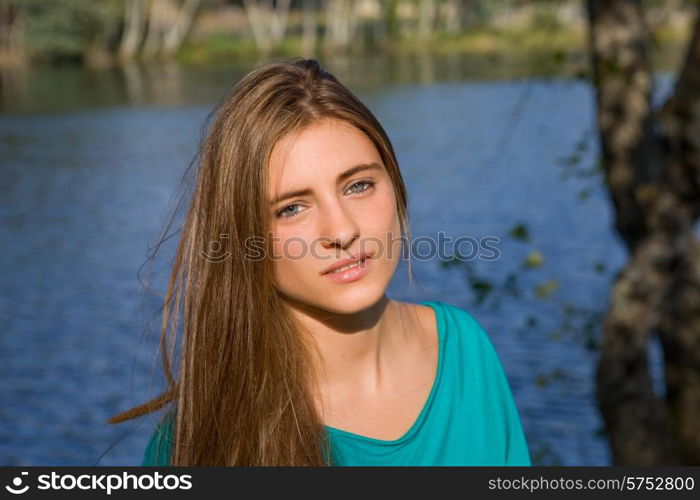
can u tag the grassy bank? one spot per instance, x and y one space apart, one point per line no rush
478 41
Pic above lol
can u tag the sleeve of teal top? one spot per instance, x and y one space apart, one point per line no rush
159 446
516 445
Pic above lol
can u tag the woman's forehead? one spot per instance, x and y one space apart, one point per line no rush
320 151
319 140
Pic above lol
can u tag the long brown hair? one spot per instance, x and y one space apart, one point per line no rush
242 388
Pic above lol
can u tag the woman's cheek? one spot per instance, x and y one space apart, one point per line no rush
382 203
292 251
380 217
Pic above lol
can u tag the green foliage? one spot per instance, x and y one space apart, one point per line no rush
542 380
541 454
547 288
574 167
69 28
57 29
599 267
533 259
520 232
531 321
481 288
545 18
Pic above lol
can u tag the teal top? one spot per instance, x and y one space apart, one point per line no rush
469 418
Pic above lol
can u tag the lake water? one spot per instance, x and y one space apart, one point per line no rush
90 163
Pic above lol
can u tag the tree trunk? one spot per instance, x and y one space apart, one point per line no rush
392 19
168 25
157 24
341 24
452 16
680 328
310 26
12 22
267 22
179 29
426 21
134 23
651 174
278 24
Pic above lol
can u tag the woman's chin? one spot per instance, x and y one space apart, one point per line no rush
353 301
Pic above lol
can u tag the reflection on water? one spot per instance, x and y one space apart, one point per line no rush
66 88
85 193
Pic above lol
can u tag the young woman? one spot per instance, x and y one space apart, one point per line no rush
291 353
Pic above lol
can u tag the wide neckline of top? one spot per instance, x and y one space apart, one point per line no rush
437 307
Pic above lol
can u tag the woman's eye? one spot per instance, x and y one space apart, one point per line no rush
368 183
285 213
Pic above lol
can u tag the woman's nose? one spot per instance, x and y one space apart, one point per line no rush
338 226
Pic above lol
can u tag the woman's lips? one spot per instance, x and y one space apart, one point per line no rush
346 262
354 273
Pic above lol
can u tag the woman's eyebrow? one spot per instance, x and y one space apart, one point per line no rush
341 177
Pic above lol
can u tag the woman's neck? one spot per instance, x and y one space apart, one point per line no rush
356 350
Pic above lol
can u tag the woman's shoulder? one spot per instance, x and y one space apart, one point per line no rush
465 338
475 359
158 450
457 320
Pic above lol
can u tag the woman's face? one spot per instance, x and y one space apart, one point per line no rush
335 214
